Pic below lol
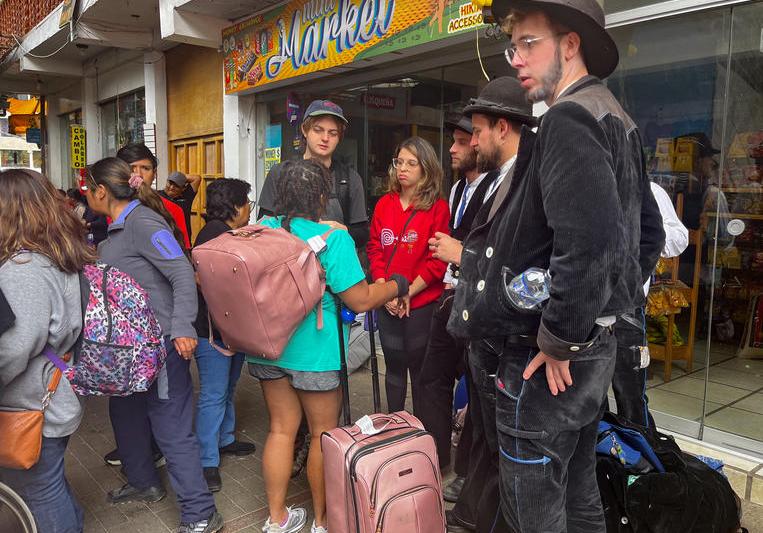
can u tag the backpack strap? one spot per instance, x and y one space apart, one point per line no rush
318 248
212 342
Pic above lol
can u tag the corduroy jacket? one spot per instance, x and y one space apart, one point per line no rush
579 205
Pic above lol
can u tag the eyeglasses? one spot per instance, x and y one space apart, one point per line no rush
398 163
523 47
252 203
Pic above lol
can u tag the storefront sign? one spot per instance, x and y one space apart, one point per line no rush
272 146
78 147
34 136
312 35
378 101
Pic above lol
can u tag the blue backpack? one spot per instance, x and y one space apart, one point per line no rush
628 446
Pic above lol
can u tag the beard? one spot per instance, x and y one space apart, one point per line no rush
467 164
549 81
488 159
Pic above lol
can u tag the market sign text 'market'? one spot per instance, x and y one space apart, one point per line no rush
311 35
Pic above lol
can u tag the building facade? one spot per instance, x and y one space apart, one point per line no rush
690 74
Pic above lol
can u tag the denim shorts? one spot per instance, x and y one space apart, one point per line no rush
300 380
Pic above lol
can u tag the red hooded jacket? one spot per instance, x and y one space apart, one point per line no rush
412 257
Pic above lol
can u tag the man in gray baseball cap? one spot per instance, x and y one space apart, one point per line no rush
582 212
181 189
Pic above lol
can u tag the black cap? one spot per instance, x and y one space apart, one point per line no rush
459 123
584 17
503 97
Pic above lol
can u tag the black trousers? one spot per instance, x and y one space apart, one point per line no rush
404 343
133 418
480 500
629 379
443 365
547 443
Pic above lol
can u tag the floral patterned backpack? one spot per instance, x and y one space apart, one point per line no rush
121 349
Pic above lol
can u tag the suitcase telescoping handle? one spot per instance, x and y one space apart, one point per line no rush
343 377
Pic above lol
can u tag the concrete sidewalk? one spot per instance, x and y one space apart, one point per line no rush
242 499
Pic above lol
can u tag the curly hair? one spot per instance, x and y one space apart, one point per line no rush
429 187
224 197
114 174
35 217
303 188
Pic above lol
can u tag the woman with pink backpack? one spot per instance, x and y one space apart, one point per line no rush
144 242
306 376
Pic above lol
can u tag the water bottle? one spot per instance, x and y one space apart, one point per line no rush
529 290
348 315
90 239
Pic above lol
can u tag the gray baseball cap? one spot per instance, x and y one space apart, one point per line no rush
324 107
178 178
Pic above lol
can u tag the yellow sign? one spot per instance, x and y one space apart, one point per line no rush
307 36
78 147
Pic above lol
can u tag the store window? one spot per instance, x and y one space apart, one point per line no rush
122 121
694 86
382 113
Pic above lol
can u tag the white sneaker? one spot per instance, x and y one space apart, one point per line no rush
294 522
318 529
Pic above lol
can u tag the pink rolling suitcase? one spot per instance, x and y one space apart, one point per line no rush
381 473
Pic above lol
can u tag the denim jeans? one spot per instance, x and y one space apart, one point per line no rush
45 490
547 443
629 380
215 411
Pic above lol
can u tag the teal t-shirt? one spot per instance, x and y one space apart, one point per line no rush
311 349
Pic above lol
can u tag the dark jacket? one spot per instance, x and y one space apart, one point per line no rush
579 205
347 204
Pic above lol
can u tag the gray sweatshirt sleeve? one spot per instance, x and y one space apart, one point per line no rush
156 244
28 294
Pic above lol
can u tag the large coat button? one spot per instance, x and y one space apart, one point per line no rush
465 315
481 285
574 348
489 252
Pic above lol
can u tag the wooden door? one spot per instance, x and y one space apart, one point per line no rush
202 156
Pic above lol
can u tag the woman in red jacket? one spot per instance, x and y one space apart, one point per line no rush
404 220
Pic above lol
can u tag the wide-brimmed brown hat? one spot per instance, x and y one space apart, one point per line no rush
584 17
503 97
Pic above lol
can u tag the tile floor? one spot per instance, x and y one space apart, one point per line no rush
734 391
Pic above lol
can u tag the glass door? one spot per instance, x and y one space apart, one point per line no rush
733 221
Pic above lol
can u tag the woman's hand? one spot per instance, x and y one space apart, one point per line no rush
185 346
392 307
404 306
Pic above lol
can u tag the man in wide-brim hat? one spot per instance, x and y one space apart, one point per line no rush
580 208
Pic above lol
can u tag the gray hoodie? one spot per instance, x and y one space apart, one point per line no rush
48 310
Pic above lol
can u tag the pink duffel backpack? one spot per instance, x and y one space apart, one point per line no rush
259 284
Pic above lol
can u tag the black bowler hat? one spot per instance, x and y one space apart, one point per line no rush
584 17
503 97
459 123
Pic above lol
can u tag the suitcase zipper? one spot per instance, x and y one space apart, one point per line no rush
380 525
372 447
375 485
365 451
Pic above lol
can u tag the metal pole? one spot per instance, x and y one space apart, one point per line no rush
371 322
